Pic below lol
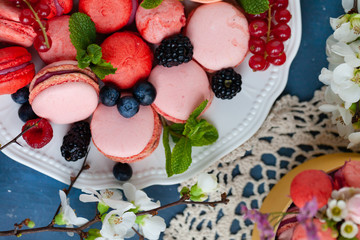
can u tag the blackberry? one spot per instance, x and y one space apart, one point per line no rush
226 83
174 51
76 141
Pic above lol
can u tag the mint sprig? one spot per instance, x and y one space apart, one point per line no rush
149 4
194 133
254 6
88 53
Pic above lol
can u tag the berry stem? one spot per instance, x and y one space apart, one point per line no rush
269 24
37 19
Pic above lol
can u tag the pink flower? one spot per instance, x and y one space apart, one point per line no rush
353 206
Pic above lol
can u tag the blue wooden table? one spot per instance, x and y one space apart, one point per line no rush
26 193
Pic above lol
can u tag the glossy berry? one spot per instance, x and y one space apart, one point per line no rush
37 28
281 4
20 4
257 46
26 112
258 63
226 83
26 17
21 96
122 171
33 1
109 95
282 32
174 51
279 60
274 48
128 106
39 135
252 17
144 93
43 10
282 15
39 43
258 28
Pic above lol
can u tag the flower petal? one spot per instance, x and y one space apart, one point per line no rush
153 226
354 139
129 191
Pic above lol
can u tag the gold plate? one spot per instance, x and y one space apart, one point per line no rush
278 199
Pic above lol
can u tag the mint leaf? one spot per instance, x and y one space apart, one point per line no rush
149 4
191 122
82 30
167 148
177 130
83 58
203 134
254 6
94 52
102 69
181 156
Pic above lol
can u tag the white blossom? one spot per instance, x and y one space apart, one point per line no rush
333 58
348 5
152 226
139 198
207 182
354 139
336 210
117 224
350 52
349 229
343 30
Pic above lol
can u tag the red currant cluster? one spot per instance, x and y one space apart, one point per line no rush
268 31
34 13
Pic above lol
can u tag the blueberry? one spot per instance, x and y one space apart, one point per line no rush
128 106
21 96
122 171
145 93
109 95
26 113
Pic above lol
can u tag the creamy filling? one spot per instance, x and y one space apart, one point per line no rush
50 74
13 69
59 9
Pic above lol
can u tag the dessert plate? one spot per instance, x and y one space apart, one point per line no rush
278 199
236 120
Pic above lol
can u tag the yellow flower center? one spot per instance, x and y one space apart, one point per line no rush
336 211
348 229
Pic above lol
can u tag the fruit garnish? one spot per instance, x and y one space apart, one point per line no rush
109 95
76 141
40 133
254 6
122 171
128 106
26 112
21 96
149 4
226 83
83 36
144 93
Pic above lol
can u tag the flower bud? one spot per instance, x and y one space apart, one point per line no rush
59 220
207 182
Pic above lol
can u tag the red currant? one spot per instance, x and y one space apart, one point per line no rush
43 10
283 16
26 17
258 28
282 32
257 46
257 62
274 48
39 43
252 17
33 1
279 60
20 4
279 4
37 27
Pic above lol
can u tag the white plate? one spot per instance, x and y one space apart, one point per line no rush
236 120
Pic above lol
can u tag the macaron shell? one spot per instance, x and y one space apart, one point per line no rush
130 55
125 139
13 81
61 48
220 35
66 99
17 33
9 11
108 15
180 90
13 56
163 21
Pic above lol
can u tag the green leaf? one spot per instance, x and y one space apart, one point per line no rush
203 134
149 4
195 191
177 130
102 69
181 156
254 6
102 208
94 52
184 190
167 148
82 30
93 234
83 59
191 122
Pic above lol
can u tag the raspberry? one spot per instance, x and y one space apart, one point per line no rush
38 136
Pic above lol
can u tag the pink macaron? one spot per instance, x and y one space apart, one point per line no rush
180 90
163 21
300 232
61 48
125 139
64 93
58 7
219 33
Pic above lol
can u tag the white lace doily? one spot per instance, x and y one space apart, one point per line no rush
292 133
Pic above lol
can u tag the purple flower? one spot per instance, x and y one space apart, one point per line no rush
266 230
305 218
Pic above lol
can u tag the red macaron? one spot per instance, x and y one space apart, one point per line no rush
108 15
58 7
61 48
130 55
16 69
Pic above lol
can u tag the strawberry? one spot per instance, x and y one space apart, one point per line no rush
39 135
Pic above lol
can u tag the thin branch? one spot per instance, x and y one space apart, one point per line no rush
141 237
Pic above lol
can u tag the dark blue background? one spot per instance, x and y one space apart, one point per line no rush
25 192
